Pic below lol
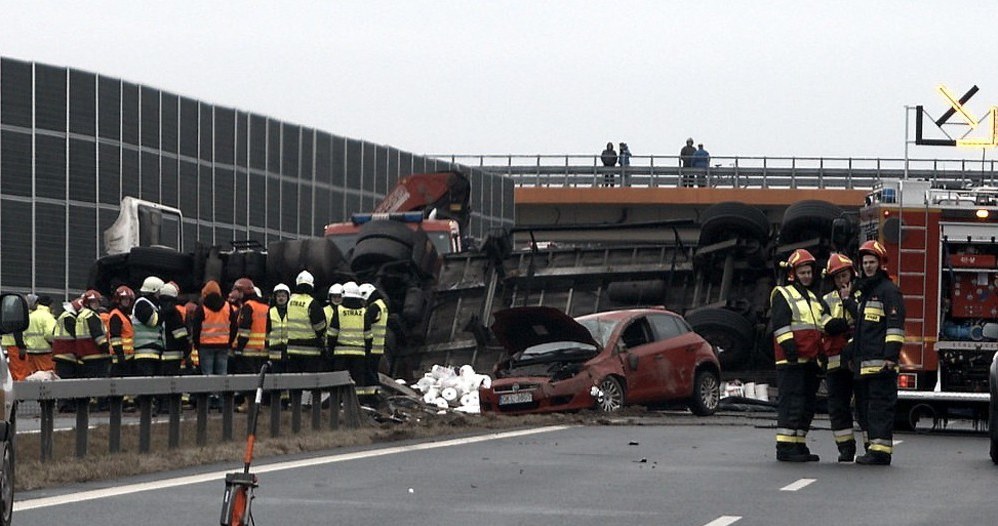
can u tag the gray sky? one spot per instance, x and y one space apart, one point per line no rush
759 78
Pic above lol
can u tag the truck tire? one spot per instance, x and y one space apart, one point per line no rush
729 332
394 230
372 253
729 219
321 257
414 306
808 219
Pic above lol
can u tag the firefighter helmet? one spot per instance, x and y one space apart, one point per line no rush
874 248
244 285
351 290
837 263
305 278
282 288
336 289
365 290
123 293
169 290
151 285
798 258
90 296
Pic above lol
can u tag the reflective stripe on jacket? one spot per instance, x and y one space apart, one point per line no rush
379 327
215 328
64 337
807 318
125 340
257 333
302 339
277 338
38 337
350 336
91 337
149 340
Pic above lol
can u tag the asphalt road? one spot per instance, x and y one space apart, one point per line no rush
672 470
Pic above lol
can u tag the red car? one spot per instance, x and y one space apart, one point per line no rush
604 360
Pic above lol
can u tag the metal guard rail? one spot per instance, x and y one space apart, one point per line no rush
144 389
729 172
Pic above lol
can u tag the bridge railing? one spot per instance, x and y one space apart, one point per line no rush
145 389
726 172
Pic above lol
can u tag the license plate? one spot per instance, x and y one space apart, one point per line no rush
516 398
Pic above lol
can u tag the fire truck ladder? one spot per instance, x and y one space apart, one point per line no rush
912 281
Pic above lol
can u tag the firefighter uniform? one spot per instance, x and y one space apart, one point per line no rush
349 338
176 339
92 348
798 318
838 379
277 337
64 344
376 316
306 325
251 335
38 338
149 340
876 347
122 337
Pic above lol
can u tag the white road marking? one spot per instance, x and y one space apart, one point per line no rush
896 442
724 520
116 491
802 483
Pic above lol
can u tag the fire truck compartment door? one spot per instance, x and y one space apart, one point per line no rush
964 233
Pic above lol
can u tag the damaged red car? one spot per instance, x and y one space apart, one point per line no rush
605 361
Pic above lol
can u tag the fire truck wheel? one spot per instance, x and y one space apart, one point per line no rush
730 219
729 332
808 219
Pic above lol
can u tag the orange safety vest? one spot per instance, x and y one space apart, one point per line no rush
256 346
215 327
127 337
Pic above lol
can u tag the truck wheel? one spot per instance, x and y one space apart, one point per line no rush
706 393
808 219
729 332
730 219
374 252
394 230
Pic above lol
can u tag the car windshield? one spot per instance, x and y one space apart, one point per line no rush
601 328
564 349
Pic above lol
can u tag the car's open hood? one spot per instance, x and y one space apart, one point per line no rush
523 327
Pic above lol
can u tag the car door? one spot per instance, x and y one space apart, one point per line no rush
675 355
637 352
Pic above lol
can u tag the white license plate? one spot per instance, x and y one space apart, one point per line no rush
516 398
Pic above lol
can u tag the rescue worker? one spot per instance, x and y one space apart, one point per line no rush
376 316
251 334
64 341
92 348
878 307
838 377
148 326
798 318
39 336
212 330
349 338
176 339
277 328
120 332
306 327
335 298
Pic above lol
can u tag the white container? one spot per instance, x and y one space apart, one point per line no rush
749 390
762 392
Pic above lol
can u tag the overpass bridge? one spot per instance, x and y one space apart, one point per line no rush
564 190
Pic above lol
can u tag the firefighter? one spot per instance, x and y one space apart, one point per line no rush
838 377
376 315
251 334
349 338
306 326
64 341
876 346
176 339
121 332
38 338
147 322
798 318
92 348
277 328
335 299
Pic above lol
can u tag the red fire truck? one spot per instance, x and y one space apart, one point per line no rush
944 257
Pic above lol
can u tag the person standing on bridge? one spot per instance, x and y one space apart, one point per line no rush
798 319
701 161
838 377
609 158
625 163
878 307
686 161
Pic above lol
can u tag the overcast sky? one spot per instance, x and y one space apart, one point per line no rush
750 78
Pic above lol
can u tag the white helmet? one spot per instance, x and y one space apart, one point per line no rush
365 290
351 290
151 285
169 290
305 278
282 288
336 290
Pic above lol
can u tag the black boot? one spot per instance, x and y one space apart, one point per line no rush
790 453
874 458
811 457
847 451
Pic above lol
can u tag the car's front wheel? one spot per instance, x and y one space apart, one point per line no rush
7 484
611 397
706 393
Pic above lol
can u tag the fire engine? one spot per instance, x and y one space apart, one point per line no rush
943 255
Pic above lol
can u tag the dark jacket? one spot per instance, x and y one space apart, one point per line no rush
878 308
609 157
686 155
